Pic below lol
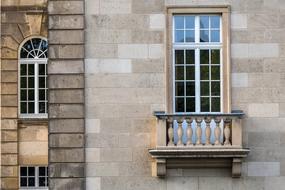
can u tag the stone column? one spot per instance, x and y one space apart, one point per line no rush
66 95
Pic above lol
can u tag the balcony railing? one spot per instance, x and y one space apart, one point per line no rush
199 136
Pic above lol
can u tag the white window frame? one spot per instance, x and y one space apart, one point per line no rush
36 187
197 46
35 62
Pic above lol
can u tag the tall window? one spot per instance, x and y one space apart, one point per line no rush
33 78
33 177
197 52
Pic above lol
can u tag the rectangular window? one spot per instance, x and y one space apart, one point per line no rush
197 62
33 177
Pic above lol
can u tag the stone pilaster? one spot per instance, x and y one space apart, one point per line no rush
66 95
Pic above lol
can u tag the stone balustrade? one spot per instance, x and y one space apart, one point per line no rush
212 129
198 140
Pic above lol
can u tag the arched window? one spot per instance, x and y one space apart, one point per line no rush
33 78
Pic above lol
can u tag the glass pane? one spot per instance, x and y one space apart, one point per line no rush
215 56
31 95
205 104
215 36
42 107
190 57
31 107
23 95
216 106
28 46
23 69
24 182
205 89
179 22
42 182
204 72
190 72
41 82
31 69
41 69
23 82
179 105
36 42
23 107
179 56
190 104
31 171
42 171
179 89
204 21
179 36
31 82
215 88
24 53
23 171
190 36
204 57
42 95
31 181
215 21
204 35
190 89
190 22
215 72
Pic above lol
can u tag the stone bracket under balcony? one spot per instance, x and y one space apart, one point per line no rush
198 141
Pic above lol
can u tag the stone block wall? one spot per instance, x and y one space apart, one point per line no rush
19 20
125 79
66 95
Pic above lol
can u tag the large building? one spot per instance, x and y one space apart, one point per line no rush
142 94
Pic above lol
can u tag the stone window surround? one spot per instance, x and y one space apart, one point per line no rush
28 116
225 14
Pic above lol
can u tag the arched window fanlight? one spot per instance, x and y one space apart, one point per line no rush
33 78
34 48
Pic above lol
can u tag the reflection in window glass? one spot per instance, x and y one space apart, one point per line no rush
197 47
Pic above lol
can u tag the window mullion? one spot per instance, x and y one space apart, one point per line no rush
36 88
197 80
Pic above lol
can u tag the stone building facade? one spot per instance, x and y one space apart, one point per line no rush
110 67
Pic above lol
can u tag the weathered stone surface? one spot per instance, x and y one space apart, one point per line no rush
66 37
63 155
9 112
65 67
66 96
93 183
9 135
66 140
157 21
9 183
263 110
9 124
9 88
66 126
66 7
66 81
66 22
92 154
9 147
9 100
65 111
67 183
108 66
9 76
102 169
9 65
263 169
66 170
182 183
116 154
66 51
9 171
148 6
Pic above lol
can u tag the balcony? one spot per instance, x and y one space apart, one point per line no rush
197 141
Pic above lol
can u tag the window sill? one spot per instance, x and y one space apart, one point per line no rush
33 119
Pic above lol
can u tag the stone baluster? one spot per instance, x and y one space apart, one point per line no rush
170 133
227 132
208 130
180 132
189 132
198 131
217 131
